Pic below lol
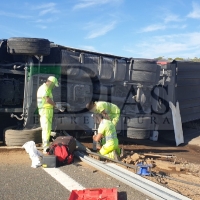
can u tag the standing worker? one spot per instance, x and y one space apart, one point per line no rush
109 111
45 105
109 145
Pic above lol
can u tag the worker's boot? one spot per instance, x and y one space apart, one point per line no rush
122 152
116 156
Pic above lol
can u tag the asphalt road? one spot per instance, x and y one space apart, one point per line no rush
19 181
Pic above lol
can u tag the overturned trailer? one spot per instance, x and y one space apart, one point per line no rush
142 88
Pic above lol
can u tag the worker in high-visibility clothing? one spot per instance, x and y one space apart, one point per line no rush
109 111
107 136
45 105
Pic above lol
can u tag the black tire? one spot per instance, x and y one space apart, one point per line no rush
14 137
140 122
145 71
137 133
28 46
4 130
143 76
145 65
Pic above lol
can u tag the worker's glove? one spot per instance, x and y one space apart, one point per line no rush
59 107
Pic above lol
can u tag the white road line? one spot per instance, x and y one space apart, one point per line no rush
65 180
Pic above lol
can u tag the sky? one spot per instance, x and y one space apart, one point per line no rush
127 28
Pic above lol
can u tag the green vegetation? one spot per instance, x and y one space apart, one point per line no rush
195 59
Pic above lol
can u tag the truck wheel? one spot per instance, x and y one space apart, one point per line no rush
4 130
28 46
145 71
15 137
140 122
137 133
145 65
142 76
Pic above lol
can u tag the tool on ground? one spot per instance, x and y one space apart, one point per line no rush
94 147
143 170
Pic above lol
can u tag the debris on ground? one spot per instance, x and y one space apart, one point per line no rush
174 173
176 168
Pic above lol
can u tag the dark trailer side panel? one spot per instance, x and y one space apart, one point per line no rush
188 89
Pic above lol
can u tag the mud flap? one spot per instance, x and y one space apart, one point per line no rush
177 123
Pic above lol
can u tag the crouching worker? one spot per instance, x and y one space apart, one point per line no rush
109 110
107 138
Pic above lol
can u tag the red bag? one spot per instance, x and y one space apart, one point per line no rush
69 141
62 153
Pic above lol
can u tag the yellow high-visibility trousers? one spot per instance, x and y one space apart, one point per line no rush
108 150
46 116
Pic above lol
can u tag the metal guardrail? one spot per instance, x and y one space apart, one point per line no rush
135 181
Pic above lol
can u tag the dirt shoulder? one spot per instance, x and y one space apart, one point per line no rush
177 168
